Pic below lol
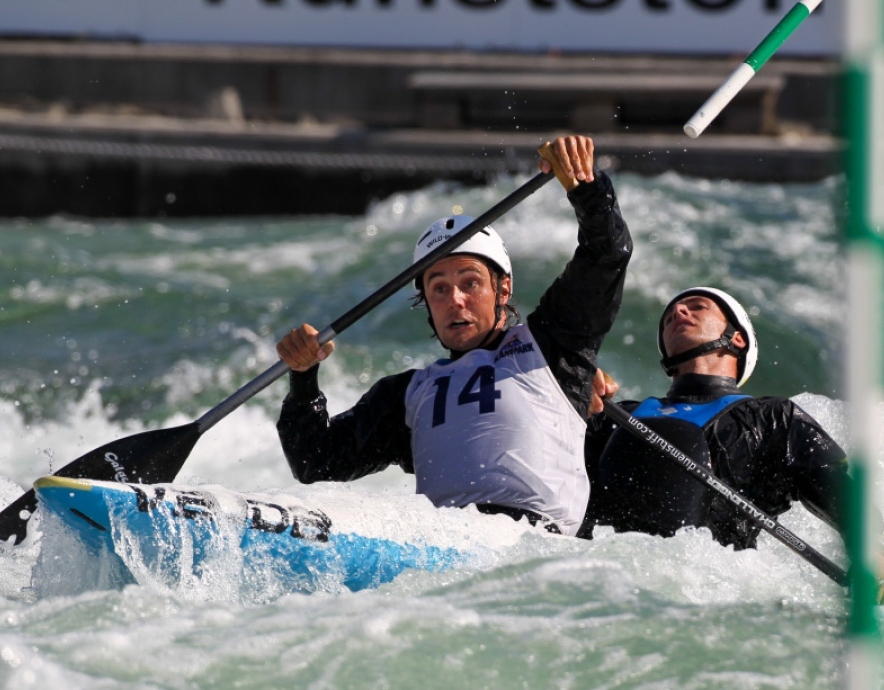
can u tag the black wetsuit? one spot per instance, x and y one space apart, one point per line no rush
573 317
767 449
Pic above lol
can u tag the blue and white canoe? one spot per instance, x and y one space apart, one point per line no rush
316 540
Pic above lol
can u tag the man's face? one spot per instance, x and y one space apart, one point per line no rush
690 322
461 297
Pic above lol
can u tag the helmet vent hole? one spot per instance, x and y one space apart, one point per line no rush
449 224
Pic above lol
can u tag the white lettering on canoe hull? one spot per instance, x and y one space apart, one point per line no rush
113 460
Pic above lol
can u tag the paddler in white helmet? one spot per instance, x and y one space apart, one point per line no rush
499 422
767 449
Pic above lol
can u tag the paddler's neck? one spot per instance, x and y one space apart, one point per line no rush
701 388
492 340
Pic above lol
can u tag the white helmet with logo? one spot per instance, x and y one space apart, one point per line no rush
737 319
486 243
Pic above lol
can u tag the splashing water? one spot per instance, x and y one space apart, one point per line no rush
114 327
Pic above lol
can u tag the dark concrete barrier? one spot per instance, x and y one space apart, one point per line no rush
119 129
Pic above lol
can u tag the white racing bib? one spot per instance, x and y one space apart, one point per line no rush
495 427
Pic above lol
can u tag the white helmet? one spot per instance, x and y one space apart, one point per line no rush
737 318
485 243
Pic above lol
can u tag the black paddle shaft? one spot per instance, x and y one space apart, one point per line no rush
767 523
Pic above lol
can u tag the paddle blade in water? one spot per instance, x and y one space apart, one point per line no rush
150 457
14 518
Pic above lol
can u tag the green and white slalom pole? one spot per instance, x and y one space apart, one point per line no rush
741 76
864 234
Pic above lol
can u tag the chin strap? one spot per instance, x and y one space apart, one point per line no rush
670 364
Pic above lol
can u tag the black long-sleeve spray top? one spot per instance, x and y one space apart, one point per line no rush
572 319
767 449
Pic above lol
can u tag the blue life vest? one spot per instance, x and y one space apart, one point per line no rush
699 414
638 489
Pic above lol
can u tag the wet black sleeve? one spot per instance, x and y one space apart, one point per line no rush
367 438
819 468
822 477
579 308
774 453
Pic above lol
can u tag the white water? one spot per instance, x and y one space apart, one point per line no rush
685 568
117 327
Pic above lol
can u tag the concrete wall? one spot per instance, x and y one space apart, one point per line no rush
366 87
107 129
